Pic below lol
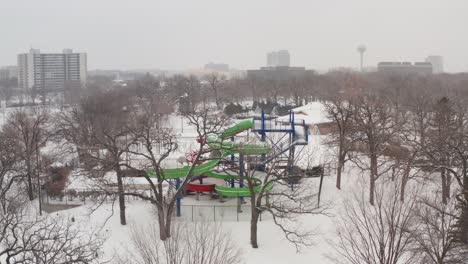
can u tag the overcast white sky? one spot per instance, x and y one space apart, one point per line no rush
176 34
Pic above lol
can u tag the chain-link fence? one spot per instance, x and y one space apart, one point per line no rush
217 213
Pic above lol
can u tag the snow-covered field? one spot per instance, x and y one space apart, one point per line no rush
273 247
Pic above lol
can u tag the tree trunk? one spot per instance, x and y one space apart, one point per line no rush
253 226
464 213
404 181
29 171
371 189
215 91
339 170
123 219
162 222
373 176
464 221
168 221
443 176
449 180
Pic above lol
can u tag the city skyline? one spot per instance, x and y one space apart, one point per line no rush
318 35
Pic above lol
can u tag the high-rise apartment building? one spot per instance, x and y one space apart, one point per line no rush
51 71
278 58
437 63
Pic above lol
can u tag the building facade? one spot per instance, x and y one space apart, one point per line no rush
8 72
280 73
278 59
4 74
217 67
405 67
437 63
51 71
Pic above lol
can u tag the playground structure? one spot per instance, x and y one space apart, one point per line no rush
277 145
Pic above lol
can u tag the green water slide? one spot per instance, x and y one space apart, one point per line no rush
182 172
237 128
226 148
238 191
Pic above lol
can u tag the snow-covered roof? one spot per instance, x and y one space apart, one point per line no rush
80 182
312 113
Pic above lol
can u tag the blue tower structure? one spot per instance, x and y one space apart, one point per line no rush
284 136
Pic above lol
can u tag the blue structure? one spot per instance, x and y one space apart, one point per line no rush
294 133
178 197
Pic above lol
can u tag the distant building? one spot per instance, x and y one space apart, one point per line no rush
279 73
51 71
8 72
4 74
405 67
217 67
278 58
437 63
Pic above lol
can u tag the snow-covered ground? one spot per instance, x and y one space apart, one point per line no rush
273 247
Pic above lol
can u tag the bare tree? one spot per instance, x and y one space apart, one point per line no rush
443 127
301 86
28 238
446 150
415 121
434 233
11 174
253 84
183 89
340 111
377 234
100 129
284 203
374 131
215 81
197 243
193 92
148 133
29 130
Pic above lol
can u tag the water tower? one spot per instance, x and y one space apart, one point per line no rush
361 49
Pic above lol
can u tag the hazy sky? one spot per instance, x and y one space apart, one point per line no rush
176 34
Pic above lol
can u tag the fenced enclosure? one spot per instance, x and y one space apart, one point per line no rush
217 213
193 213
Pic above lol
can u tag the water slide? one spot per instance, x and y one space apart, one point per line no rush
226 149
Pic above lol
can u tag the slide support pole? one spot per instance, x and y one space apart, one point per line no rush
241 172
232 160
178 198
